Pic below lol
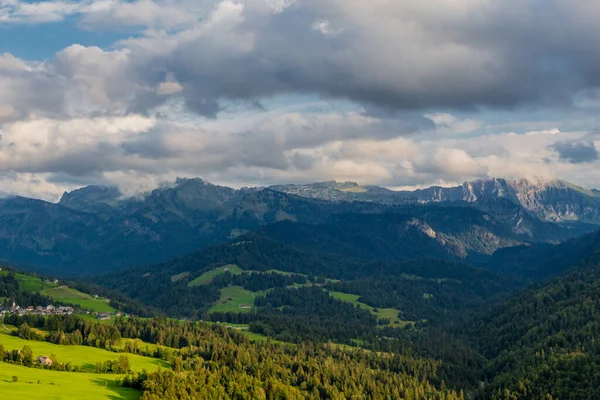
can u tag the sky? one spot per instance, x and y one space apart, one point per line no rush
398 93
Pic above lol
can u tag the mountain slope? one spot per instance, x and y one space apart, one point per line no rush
168 285
542 260
544 342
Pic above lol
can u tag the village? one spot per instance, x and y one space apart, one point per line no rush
36 310
51 310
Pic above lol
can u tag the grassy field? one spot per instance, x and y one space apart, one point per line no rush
232 297
31 284
78 355
208 276
382 313
36 383
65 294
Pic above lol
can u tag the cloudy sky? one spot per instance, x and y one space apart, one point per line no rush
400 93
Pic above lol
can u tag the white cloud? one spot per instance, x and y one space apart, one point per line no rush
456 162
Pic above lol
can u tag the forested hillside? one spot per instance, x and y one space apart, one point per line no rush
544 343
303 290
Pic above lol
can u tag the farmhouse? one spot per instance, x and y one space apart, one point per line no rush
44 360
104 316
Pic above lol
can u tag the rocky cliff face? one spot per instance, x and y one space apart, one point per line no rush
549 200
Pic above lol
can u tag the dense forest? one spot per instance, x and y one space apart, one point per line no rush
545 341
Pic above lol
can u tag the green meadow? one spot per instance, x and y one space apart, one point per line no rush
232 298
381 313
63 294
84 356
34 383
208 276
30 283
68 295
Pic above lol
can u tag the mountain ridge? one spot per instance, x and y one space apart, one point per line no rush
550 200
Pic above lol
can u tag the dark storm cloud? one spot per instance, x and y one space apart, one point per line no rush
576 152
398 55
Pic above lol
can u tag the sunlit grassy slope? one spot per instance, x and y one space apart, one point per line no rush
78 355
55 385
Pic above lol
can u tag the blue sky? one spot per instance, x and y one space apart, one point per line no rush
403 94
39 42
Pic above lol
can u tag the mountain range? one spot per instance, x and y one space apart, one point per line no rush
549 200
96 229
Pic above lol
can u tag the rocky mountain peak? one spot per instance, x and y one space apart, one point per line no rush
84 197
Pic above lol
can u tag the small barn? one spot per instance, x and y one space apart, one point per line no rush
44 360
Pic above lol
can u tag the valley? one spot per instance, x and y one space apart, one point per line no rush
445 296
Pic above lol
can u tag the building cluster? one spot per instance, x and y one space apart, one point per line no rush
39 310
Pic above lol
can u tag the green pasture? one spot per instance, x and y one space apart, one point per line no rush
84 356
34 383
381 313
208 276
30 283
68 295
232 298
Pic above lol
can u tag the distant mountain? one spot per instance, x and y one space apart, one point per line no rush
344 191
96 229
549 200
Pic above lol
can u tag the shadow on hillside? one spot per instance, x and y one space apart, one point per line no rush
89 367
119 392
